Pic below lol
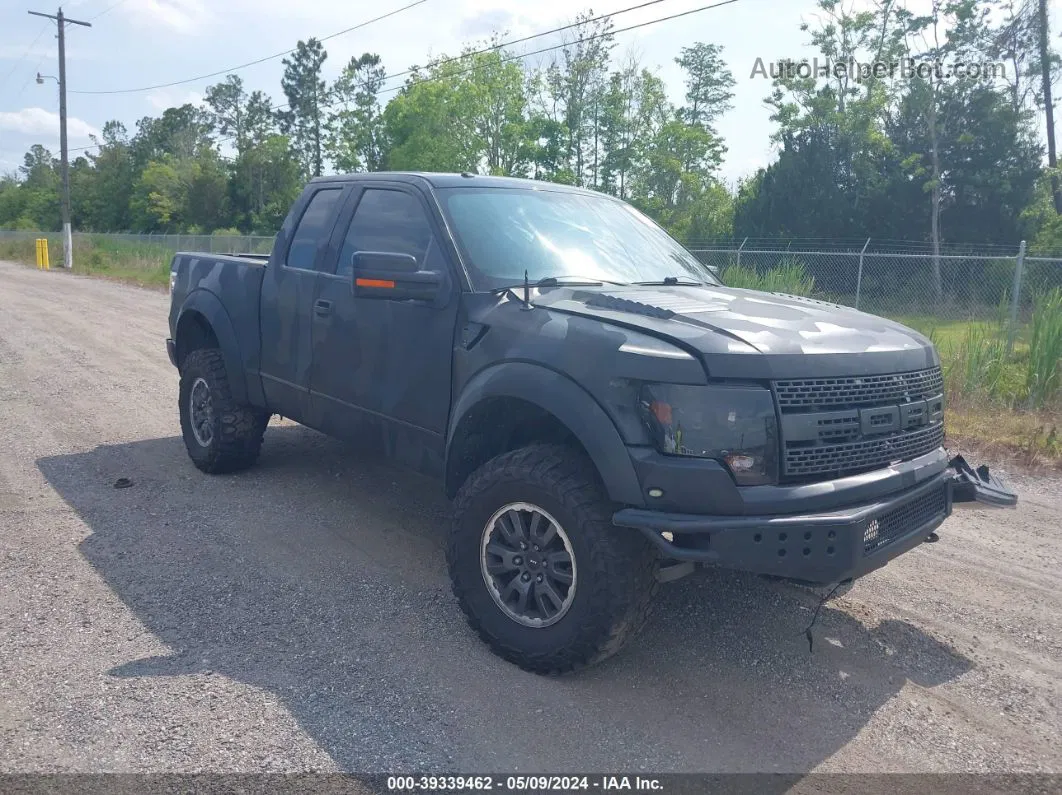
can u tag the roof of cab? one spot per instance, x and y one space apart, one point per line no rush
446 180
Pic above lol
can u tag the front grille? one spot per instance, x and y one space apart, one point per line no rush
808 394
900 521
851 457
833 427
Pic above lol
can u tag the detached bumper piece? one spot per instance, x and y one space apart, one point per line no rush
978 485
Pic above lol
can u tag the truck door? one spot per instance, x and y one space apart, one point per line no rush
288 290
382 359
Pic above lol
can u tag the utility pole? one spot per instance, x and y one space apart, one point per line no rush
62 22
1049 106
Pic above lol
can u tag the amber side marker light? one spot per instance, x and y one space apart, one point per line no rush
375 283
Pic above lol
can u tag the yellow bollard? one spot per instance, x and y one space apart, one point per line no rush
40 257
44 245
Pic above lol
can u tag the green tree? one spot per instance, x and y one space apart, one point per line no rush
493 91
634 109
227 102
355 141
106 190
206 200
181 133
159 196
576 84
308 99
260 118
429 125
709 84
265 181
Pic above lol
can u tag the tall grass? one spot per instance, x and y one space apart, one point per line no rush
1043 374
979 366
789 276
140 263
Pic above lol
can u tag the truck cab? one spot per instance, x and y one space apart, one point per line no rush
602 410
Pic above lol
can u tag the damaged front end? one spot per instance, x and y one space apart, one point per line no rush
971 485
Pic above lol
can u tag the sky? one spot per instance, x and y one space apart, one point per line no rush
138 43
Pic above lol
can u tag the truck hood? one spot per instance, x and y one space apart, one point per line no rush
751 334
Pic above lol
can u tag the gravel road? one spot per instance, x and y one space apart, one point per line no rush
298 616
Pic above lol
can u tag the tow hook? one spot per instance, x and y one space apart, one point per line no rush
978 485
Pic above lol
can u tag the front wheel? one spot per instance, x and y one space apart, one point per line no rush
220 435
539 569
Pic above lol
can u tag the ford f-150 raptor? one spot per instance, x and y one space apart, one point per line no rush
603 411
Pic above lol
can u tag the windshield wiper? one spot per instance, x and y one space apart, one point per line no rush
558 281
548 281
668 281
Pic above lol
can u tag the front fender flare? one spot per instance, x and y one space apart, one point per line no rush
571 405
209 306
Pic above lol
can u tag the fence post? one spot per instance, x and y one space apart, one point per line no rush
1015 298
743 242
859 273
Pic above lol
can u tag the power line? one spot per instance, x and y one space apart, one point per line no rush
107 10
253 63
566 44
32 75
27 52
561 29
518 56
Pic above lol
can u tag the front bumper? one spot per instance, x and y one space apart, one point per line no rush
821 547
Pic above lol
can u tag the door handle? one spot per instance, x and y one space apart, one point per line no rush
322 308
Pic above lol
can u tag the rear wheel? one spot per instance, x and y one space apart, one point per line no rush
541 572
219 434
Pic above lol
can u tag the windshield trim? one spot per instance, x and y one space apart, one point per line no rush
475 279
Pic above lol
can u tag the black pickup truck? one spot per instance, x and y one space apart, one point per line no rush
604 413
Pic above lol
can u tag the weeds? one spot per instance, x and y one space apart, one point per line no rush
1043 372
789 277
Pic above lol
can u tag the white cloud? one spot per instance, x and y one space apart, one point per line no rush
180 16
163 98
16 52
40 122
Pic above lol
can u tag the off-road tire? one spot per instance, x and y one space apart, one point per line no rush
237 430
616 567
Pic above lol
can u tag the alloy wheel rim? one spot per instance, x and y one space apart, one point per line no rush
201 412
528 565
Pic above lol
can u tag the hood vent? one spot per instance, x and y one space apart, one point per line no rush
602 301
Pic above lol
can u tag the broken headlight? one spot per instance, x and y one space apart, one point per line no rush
732 424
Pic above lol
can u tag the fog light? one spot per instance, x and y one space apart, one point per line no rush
668 536
656 493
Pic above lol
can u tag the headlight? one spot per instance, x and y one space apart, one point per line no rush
173 280
732 424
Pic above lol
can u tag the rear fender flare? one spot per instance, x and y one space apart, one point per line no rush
208 306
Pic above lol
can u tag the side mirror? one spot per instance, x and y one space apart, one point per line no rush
393 276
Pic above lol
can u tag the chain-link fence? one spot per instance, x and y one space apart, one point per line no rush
896 283
150 243
893 278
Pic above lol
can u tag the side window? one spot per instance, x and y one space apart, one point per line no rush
313 226
386 220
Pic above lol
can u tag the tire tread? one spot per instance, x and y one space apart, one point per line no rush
238 440
622 564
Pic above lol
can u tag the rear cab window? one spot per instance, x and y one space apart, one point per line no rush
313 229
